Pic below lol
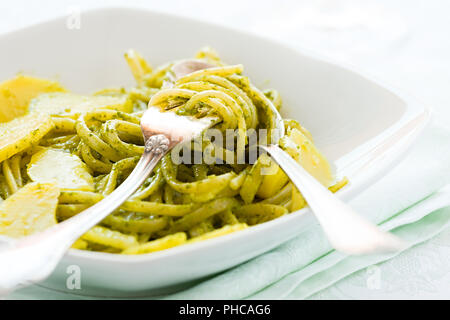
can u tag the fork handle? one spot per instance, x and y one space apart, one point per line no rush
346 230
33 258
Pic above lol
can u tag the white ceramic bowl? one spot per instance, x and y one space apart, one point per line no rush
363 127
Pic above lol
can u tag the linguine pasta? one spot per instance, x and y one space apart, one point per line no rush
65 152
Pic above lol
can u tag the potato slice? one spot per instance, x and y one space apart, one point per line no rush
305 152
72 105
20 133
298 202
30 210
16 94
64 169
272 183
80 244
298 144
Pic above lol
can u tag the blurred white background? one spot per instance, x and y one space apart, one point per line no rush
403 42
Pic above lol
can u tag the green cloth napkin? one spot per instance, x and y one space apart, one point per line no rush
408 201
411 201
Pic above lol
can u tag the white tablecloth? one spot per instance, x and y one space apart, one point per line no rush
403 42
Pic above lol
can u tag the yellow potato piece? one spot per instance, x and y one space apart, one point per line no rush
72 105
301 148
64 169
272 183
16 94
80 244
30 210
20 133
304 151
298 202
110 238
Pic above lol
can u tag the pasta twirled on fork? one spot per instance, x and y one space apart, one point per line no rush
85 146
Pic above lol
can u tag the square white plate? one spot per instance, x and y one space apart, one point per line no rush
363 127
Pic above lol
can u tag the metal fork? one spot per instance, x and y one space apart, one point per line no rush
346 230
33 258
